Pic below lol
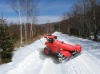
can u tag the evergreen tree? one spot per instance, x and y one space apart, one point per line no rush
6 45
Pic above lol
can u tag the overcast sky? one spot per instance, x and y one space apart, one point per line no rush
48 10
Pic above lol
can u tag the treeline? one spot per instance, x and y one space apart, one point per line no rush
82 20
15 30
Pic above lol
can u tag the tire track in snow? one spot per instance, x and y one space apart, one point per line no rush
50 68
27 65
80 65
84 64
91 63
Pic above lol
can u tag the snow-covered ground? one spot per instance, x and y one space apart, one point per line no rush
31 60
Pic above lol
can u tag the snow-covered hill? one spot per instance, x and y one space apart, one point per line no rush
31 60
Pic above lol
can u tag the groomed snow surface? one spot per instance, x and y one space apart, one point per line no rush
31 59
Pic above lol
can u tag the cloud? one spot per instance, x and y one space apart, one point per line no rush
40 19
47 19
12 20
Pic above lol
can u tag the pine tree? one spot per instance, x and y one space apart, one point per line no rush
6 45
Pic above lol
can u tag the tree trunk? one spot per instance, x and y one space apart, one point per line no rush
31 30
68 29
0 58
19 14
25 30
21 40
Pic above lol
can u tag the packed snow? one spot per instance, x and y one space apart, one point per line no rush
31 59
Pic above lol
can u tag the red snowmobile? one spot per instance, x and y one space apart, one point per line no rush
61 49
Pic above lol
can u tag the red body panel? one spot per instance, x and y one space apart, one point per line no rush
57 45
66 53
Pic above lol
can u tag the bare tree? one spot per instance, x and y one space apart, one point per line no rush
93 2
86 8
32 16
64 21
68 28
25 11
78 11
29 9
16 6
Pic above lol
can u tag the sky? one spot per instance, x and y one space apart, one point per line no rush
48 10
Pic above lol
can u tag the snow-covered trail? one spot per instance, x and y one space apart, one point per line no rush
32 60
